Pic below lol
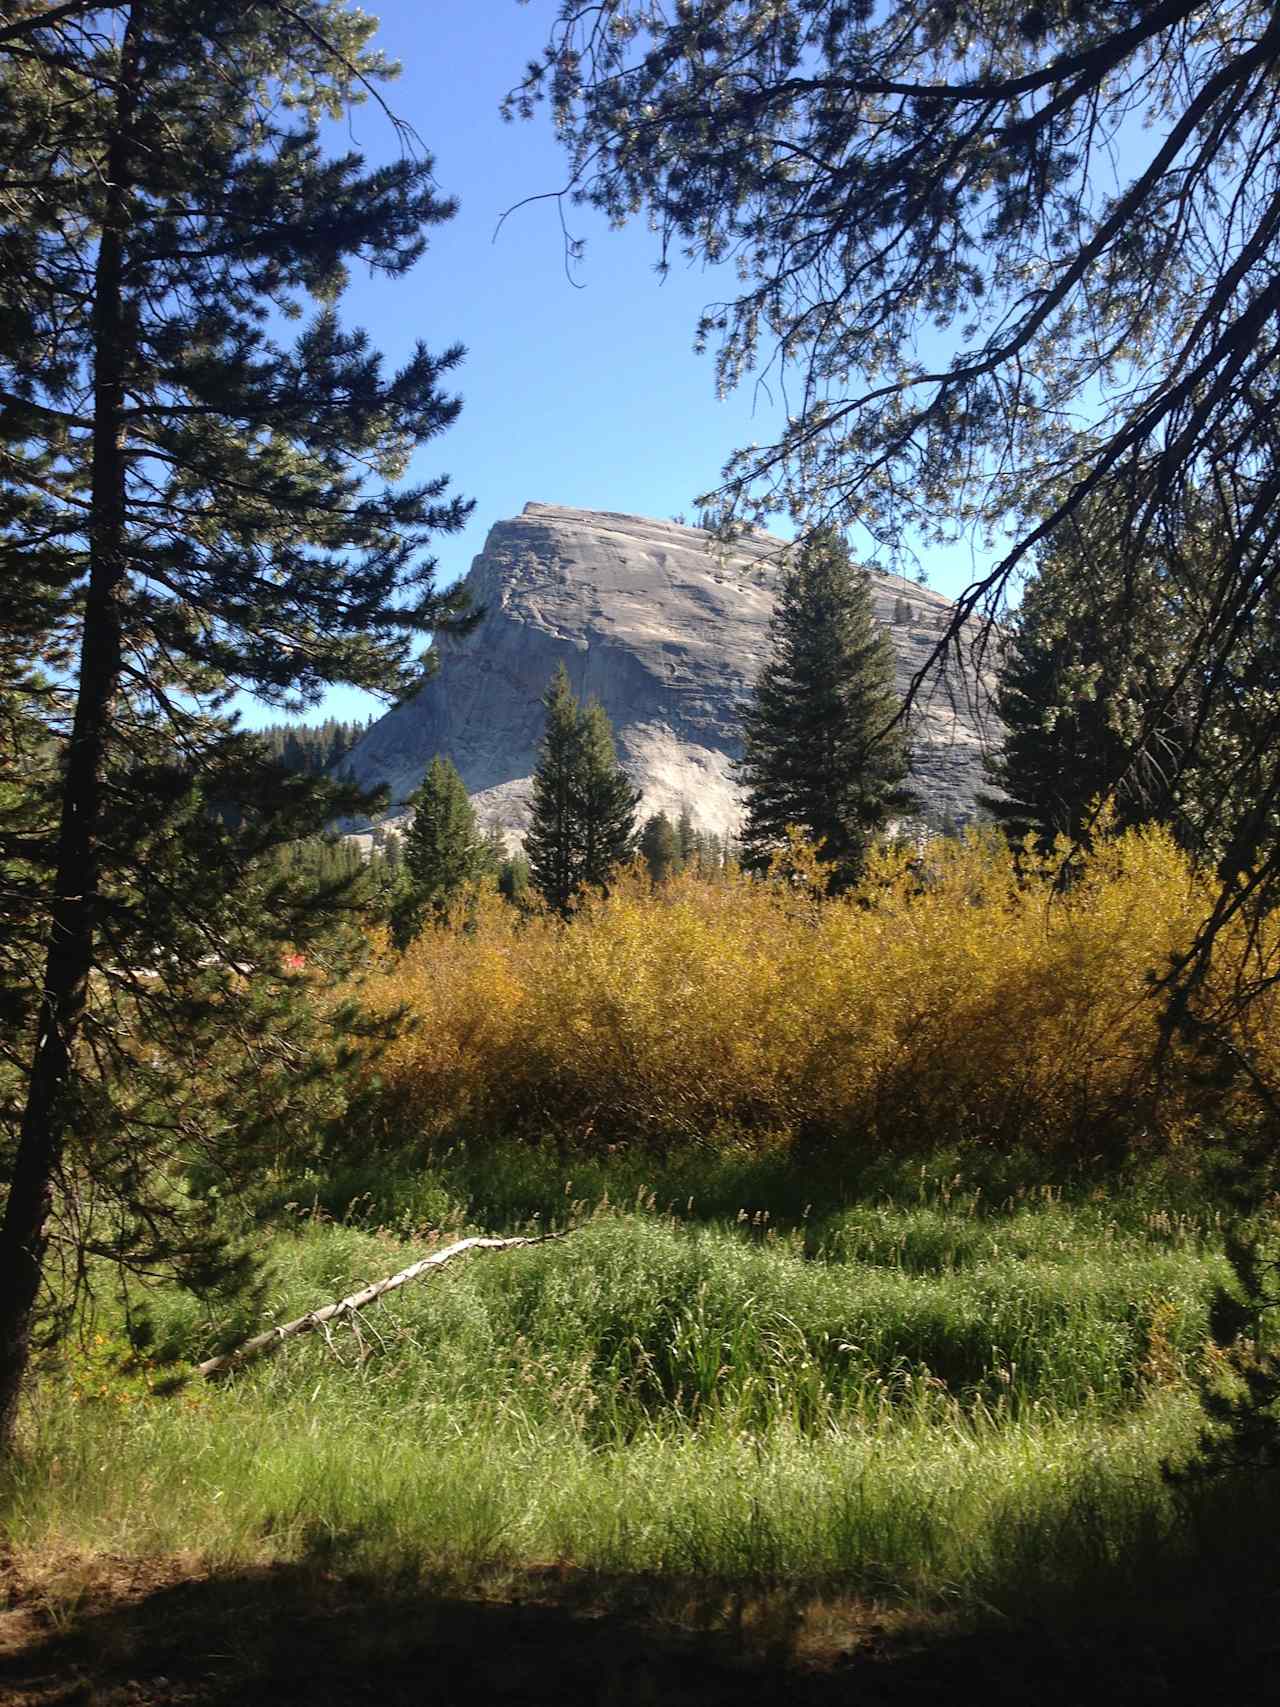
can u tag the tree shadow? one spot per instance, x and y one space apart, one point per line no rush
133 1634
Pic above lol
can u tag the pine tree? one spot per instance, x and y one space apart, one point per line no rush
552 844
1096 701
606 801
191 503
1072 700
686 836
660 847
821 749
513 879
583 808
493 851
442 852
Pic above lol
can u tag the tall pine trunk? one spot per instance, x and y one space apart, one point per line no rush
24 1235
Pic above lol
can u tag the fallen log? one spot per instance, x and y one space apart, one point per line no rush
355 1301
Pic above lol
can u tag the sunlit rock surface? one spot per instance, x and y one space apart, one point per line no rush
668 631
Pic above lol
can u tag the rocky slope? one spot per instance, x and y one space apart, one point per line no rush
669 631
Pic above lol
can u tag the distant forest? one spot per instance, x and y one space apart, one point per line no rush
310 748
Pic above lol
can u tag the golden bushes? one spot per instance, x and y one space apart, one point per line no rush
950 997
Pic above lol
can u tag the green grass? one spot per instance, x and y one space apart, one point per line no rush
923 1394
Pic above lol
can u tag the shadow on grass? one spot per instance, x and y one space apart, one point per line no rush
165 1634
512 1186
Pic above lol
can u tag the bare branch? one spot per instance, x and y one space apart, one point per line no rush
355 1301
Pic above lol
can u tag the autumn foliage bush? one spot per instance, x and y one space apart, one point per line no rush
963 994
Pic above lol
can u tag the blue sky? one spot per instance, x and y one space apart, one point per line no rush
588 395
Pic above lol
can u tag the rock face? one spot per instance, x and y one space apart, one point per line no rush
668 631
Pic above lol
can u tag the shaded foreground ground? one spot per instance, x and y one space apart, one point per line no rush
161 1634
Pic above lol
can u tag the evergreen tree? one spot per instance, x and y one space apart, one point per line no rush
513 879
606 801
660 847
686 836
1097 702
28 820
1081 672
821 748
493 851
583 809
552 843
442 851
190 504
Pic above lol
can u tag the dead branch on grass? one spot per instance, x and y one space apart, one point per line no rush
356 1301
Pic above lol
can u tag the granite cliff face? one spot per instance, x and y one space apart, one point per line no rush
668 631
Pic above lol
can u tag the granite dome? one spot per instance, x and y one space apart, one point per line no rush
668 630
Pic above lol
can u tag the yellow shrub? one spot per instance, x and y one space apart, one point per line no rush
950 997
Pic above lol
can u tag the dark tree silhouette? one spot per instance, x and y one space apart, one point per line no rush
191 504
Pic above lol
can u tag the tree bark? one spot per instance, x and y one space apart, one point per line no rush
24 1233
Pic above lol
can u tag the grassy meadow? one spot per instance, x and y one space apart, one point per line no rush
897 1322
918 1396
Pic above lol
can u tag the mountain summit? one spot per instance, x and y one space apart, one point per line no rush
668 629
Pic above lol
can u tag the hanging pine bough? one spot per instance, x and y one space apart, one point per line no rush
356 1301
